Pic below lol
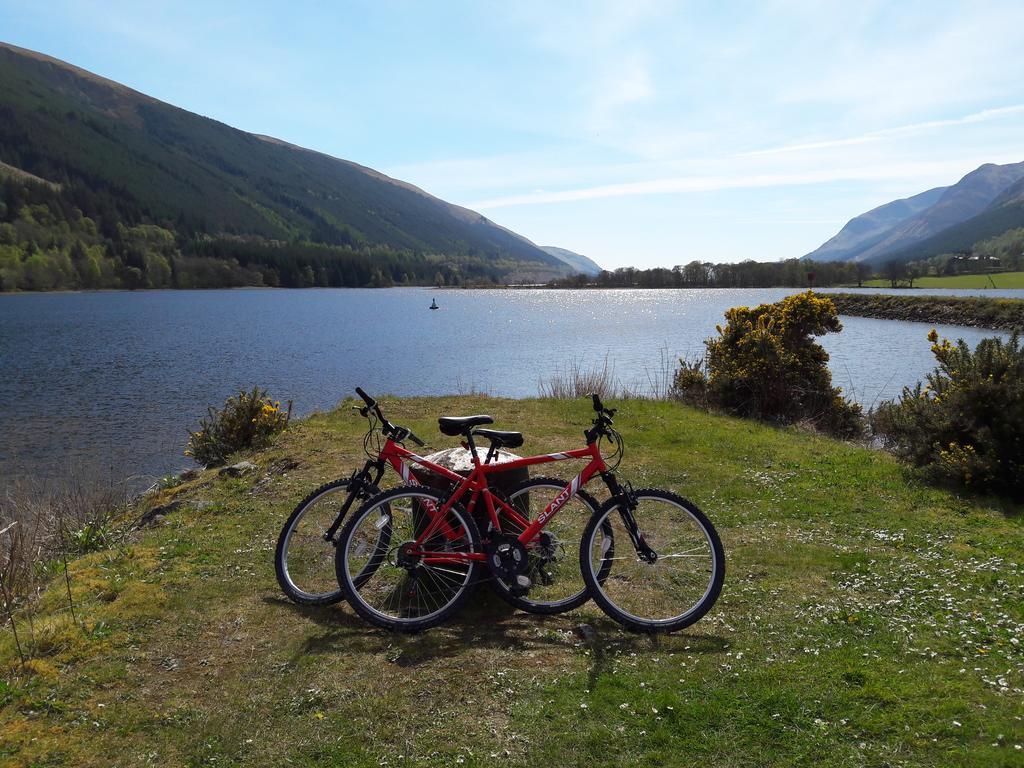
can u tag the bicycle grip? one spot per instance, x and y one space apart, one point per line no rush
416 440
366 398
598 406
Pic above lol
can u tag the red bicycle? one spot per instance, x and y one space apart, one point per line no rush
435 551
305 555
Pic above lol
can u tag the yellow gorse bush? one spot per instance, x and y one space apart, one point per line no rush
248 420
966 424
765 364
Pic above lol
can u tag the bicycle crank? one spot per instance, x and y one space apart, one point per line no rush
508 560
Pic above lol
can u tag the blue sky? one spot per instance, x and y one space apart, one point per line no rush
638 133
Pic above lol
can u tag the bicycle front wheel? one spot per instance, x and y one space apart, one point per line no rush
666 569
411 586
304 559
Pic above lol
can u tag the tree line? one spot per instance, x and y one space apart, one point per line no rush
744 274
1001 253
72 236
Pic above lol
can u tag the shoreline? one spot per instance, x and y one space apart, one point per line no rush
992 313
861 291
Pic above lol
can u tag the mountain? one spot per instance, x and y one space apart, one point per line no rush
580 264
919 224
868 229
1004 213
156 163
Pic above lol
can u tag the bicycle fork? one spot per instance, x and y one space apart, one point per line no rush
626 509
357 483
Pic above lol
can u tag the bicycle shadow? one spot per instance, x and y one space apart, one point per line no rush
487 623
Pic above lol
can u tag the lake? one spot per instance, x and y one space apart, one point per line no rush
108 381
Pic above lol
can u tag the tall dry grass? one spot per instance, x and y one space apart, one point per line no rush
578 380
41 523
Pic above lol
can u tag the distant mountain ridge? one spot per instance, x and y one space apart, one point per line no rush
196 175
579 263
986 202
868 229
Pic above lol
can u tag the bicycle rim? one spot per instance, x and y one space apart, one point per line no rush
412 593
676 588
305 558
555 581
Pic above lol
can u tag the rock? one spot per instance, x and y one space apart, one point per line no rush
201 504
158 515
189 474
459 460
282 465
261 484
239 469
586 631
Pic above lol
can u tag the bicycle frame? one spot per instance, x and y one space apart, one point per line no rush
476 485
393 454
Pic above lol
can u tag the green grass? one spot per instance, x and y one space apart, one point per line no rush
1001 280
867 619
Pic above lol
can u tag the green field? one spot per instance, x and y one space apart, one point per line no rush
1001 280
867 620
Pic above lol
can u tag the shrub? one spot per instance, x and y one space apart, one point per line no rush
249 420
966 424
766 365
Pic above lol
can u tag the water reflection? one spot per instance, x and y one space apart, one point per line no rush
112 379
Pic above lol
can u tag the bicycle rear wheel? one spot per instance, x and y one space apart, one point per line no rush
410 588
555 582
304 559
667 581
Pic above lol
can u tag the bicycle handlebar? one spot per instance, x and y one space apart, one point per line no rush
370 402
599 407
603 421
391 430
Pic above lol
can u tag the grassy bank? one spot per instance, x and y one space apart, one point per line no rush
979 312
996 280
866 620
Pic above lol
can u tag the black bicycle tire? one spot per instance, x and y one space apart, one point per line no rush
292 591
654 626
356 601
537 607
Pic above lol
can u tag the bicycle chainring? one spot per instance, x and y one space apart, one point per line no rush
508 559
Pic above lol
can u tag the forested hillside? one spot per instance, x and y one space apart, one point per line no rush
103 186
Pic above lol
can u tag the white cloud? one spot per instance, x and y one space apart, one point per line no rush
897 132
689 184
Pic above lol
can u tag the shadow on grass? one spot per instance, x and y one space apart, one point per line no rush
487 623
605 649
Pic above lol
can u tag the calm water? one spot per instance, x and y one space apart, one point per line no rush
110 381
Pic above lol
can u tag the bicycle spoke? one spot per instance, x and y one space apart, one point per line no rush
404 588
553 557
305 558
665 590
